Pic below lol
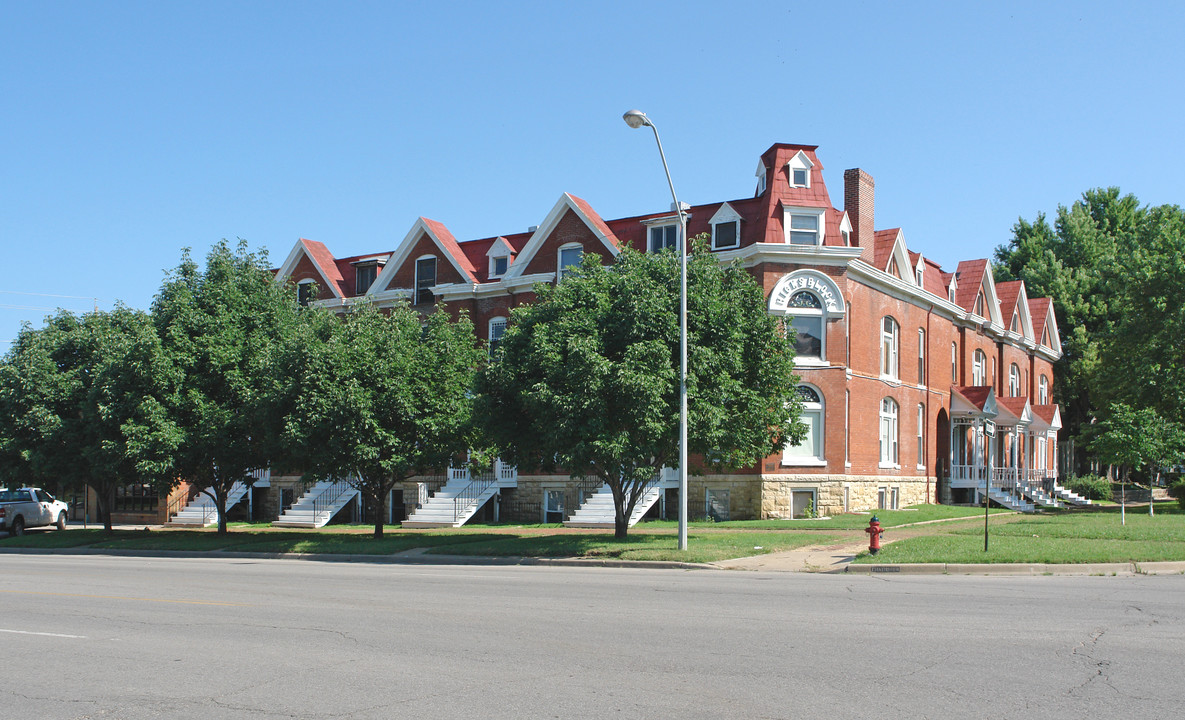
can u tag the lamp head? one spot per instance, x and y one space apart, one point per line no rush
635 119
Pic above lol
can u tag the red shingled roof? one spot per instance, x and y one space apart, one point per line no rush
452 247
596 219
1007 293
1045 412
977 395
325 261
1039 312
970 276
883 247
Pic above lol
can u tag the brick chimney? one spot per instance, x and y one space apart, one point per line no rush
858 202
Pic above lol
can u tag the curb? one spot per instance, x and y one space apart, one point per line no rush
397 559
1125 569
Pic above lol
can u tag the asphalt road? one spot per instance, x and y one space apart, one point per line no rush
91 637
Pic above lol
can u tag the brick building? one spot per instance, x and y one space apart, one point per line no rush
919 384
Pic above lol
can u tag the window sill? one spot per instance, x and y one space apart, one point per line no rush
920 467
804 462
811 363
889 466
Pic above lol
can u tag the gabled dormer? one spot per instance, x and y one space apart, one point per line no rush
762 179
891 255
500 256
570 229
726 228
428 257
977 291
798 170
1014 307
313 268
1045 325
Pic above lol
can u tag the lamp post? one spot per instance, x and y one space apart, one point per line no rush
637 119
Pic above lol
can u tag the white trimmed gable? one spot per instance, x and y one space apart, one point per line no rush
289 266
402 253
901 255
800 161
725 214
845 229
988 287
1026 320
561 208
762 171
1055 337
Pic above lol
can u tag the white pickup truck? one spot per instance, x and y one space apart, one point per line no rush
30 507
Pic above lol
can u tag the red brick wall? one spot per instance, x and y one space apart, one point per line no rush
405 275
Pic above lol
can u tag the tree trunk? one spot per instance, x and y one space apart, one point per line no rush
380 506
220 501
106 502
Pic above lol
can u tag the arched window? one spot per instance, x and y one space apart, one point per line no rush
807 318
889 433
889 347
978 367
569 259
810 450
980 305
1013 380
305 292
1043 391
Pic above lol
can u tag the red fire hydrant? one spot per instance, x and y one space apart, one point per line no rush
874 531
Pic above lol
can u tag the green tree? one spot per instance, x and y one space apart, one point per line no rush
1142 358
375 398
587 378
221 326
85 398
1138 440
1074 262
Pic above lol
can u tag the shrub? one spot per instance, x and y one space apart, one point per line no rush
1177 490
1090 486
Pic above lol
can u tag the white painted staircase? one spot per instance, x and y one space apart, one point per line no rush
1067 495
456 502
202 510
598 510
318 505
1013 501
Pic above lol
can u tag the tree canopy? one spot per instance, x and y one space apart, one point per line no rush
374 398
1113 269
221 326
587 378
85 404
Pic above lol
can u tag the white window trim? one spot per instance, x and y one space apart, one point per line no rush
799 162
724 216
818 409
490 329
821 313
978 368
922 357
890 431
893 372
493 262
921 437
416 279
1043 391
559 258
1013 380
790 211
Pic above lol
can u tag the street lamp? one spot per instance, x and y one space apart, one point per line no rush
636 119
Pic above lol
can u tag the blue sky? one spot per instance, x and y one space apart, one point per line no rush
129 131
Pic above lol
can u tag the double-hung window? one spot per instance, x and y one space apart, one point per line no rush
1013 381
804 229
497 330
364 277
810 450
978 368
569 259
425 280
1043 391
888 418
889 347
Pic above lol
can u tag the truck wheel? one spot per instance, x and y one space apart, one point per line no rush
62 520
18 527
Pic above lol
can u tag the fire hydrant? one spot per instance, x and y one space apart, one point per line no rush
874 531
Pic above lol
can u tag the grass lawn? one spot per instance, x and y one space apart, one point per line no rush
850 521
701 546
479 541
1069 536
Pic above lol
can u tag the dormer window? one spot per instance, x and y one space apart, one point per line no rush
847 237
804 226
950 292
1015 323
979 305
726 228
499 265
304 292
918 276
761 171
663 237
364 276
799 169
569 259
425 280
